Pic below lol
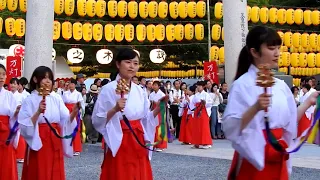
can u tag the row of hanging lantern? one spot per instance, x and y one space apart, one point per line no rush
13 26
275 15
12 5
298 71
217 54
132 9
298 42
303 60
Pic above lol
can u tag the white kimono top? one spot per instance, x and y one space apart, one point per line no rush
56 112
74 97
156 96
202 96
250 142
18 97
185 103
137 107
25 94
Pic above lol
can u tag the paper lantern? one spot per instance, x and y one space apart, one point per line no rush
285 59
151 32
311 59
183 9
218 10
1 24
97 30
133 9
222 34
12 5
273 16
214 50
109 32
122 8
129 32
153 9
9 25
77 31
23 5
20 27
199 32
101 7
112 8
281 15
3 4
290 16
170 32
143 9
303 60
307 17
249 13
119 32
68 7
298 16
179 32
255 14
216 32
288 39
66 30
141 31
315 17
294 60
305 40
104 56
283 49
201 9
313 40
264 15
296 39
163 9
173 10
157 56
318 60
75 55
81 7
188 31
281 34
192 9
56 30
160 32
221 55
87 32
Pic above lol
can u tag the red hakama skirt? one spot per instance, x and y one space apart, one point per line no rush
303 124
77 145
8 165
201 126
161 144
131 161
103 145
48 162
275 164
185 127
21 149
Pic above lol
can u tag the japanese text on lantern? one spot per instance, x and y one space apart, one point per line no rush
243 29
211 71
14 67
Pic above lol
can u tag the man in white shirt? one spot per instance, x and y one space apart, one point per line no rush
175 97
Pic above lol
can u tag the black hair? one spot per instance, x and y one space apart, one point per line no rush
213 85
113 76
140 78
40 73
73 81
157 83
257 36
183 83
2 67
96 80
104 82
23 81
307 86
174 82
5 85
14 80
193 89
168 82
201 83
294 88
125 54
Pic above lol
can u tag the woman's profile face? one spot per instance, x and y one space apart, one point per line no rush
46 82
3 76
268 55
128 68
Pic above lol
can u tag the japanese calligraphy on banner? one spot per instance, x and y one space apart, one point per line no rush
14 67
211 71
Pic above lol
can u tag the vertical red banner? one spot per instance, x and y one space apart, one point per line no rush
14 67
211 71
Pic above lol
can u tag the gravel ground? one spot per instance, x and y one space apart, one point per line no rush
166 167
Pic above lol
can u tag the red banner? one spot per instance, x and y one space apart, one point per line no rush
211 71
14 67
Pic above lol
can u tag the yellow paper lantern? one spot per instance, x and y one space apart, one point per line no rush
12 5
285 59
216 32
9 25
192 9
283 49
141 31
281 34
112 8
122 8
315 17
81 7
214 50
97 30
119 32
298 16
20 27
183 9
66 30
129 32
153 9
87 32
1 24
313 40
23 5
218 10
307 17
199 32
287 39
311 59
69 7
282 18
296 40
3 4
255 14
59 6
173 10
294 60
101 7
280 63
56 30
109 32
221 55
163 9
201 9
133 9
77 31
318 60
170 32
188 31
222 34
305 40
264 15
160 32
290 16
143 9
179 32
249 13
151 32
273 15
303 60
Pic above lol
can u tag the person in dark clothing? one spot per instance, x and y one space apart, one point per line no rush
80 82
